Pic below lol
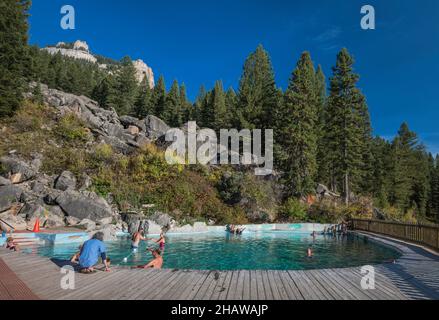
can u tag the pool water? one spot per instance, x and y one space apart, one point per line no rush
266 250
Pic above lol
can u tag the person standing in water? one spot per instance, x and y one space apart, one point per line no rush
161 242
135 240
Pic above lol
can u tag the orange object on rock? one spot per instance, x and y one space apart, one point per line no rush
37 226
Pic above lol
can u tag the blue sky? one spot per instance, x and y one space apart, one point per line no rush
198 42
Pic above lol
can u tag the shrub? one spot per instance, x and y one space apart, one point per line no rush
293 210
71 129
230 187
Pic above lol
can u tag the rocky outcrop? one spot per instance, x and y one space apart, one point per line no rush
81 51
9 195
80 206
155 127
142 71
66 181
18 170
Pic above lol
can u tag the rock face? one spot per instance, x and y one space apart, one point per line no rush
8 196
156 127
80 50
142 71
80 206
18 169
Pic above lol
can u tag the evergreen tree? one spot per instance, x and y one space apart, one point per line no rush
199 105
159 97
105 94
434 209
14 58
172 113
143 104
186 107
346 128
37 95
403 173
299 130
219 107
321 91
258 98
126 87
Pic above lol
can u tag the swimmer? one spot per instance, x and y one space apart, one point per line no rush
135 240
155 263
310 253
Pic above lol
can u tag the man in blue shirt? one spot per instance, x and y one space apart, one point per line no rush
90 253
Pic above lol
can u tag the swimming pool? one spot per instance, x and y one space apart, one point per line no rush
263 250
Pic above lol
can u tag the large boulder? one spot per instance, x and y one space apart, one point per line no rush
17 169
128 121
118 145
155 127
54 221
8 196
133 220
152 228
66 181
81 206
4 182
162 219
87 225
110 232
32 210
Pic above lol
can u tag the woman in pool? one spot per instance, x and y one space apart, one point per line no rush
161 242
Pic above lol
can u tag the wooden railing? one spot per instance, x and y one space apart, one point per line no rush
419 233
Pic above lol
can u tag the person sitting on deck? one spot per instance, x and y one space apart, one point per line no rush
137 237
155 263
11 245
90 253
75 258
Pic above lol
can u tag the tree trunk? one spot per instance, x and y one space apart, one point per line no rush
346 189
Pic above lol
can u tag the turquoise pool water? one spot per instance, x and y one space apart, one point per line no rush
267 250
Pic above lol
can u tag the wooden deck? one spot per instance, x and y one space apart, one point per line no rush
414 276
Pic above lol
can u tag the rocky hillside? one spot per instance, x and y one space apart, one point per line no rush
80 50
70 162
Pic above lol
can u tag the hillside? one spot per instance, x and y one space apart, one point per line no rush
68 160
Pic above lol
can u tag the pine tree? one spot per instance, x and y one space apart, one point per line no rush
186 107
299 131
37 95
434 213
321 91
221 118
105 94
172 113
404 167
159 97
126 87
198 106
258 98
14 57
143 104
347 128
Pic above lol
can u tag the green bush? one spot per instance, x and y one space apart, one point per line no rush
71 129
230 187
293 210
